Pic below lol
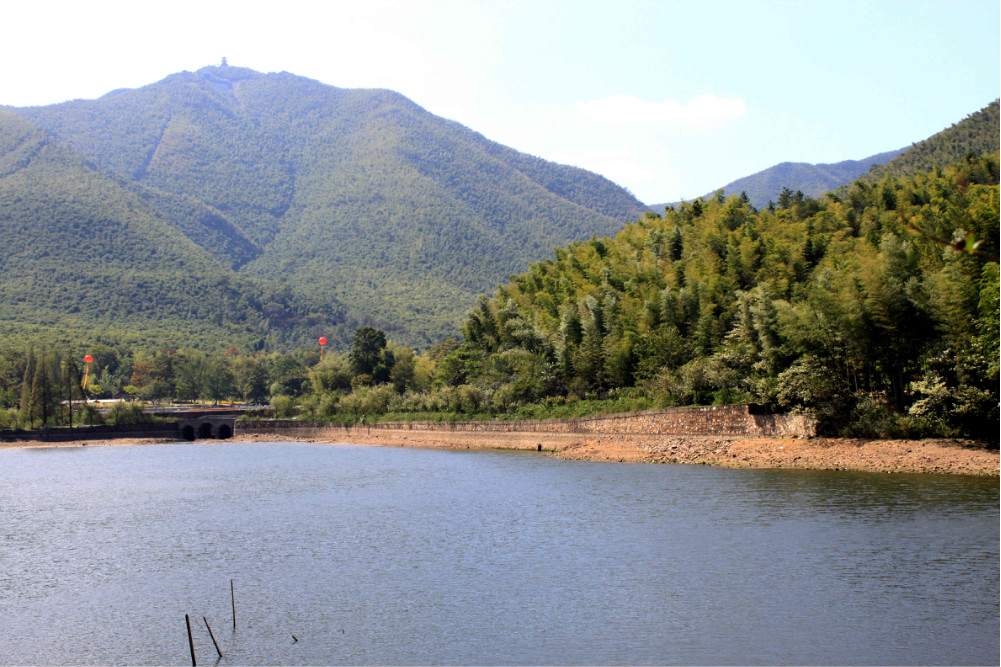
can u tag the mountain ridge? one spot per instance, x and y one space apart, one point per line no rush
976 133
87 257
358 195
812 179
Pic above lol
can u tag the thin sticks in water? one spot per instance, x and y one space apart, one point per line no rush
214 643
191 642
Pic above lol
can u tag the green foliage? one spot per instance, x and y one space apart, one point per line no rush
813 180
86 260
124 412
369 355
183 203
849 309
975 135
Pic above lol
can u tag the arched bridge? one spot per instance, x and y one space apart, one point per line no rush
205 427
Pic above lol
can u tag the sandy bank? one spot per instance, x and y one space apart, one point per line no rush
921 456
925 456
114 442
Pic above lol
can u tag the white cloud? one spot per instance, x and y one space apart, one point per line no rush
705 111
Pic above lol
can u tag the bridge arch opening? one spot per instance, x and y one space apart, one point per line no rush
224 432
205 430
188 432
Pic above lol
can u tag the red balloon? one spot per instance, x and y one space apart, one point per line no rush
88 359
323 341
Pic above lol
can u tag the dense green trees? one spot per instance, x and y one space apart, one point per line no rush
977 134
877 312
88 260
370 360
226 182
871 310
875 308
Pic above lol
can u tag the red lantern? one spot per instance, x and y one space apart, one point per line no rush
323 341
88 359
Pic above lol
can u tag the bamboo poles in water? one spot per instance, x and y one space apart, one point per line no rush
191 642
214 643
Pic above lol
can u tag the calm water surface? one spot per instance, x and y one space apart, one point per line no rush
396 556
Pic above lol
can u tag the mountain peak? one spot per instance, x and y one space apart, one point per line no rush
357 197
226 72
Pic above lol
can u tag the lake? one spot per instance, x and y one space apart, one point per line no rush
370 555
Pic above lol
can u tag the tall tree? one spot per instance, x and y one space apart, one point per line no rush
41 389
27 413
369 355
71 384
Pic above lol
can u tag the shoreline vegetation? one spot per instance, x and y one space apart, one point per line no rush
935 456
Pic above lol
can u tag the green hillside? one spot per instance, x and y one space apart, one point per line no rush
977 134
85 259
357 197
812 180
860 309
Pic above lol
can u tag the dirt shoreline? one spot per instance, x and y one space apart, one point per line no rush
904 456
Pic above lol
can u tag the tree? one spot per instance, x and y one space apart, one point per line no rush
676 244
218 380
785 198
71 383
250 379
369 355
27 414
288 376
366 348
190 377
41 390
402 372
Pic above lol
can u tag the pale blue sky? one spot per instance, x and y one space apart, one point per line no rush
670 99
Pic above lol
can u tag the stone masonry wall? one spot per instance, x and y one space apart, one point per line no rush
707 420
103 432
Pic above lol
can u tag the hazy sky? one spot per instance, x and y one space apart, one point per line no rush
670 99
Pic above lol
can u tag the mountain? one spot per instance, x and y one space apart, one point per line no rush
813 180
977 134
358 198
87 259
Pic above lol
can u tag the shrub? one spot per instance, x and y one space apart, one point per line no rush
124 412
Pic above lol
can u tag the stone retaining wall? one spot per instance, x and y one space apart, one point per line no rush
708 420
103 432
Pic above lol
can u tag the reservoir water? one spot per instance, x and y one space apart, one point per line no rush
368 555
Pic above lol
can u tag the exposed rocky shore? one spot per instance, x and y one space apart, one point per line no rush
918 456
924 456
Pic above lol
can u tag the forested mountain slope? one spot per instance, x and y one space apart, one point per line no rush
356 196
977 134
877 310
812 180
86 259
